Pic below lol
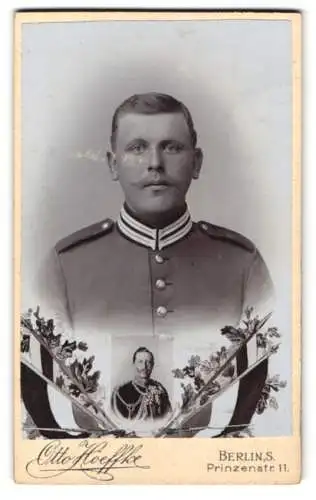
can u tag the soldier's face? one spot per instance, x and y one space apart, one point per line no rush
154 161
143 365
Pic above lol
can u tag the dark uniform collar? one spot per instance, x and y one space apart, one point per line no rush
156 239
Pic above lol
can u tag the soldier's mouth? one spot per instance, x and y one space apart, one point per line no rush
156 181
158 187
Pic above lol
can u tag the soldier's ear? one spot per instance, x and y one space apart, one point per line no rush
198 159
112 165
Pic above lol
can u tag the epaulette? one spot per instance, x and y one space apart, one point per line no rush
222 233
86 234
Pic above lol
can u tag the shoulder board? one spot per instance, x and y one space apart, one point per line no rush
222 233
87 233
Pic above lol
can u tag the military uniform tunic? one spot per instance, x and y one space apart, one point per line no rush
133 401
183 282
116 279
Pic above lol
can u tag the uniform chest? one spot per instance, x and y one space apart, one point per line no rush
125 286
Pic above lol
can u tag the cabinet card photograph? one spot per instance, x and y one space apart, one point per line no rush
157 247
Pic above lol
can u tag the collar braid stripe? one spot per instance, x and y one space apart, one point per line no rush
156 239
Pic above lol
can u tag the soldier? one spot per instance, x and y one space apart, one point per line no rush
154 271
142 398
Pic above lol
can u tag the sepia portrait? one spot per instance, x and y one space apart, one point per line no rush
156 197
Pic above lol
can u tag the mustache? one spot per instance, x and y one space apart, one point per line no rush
144 370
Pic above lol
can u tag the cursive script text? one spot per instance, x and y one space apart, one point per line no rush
96 460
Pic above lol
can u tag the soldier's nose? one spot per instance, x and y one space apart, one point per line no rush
155 160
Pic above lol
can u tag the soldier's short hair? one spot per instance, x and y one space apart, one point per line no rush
143 349
149 104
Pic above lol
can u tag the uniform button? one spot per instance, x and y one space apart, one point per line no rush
161 311
159 259
160 284
105 225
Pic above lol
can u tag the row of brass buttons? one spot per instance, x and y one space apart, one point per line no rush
161 311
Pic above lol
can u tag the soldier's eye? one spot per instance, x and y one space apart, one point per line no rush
137 148
173 147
